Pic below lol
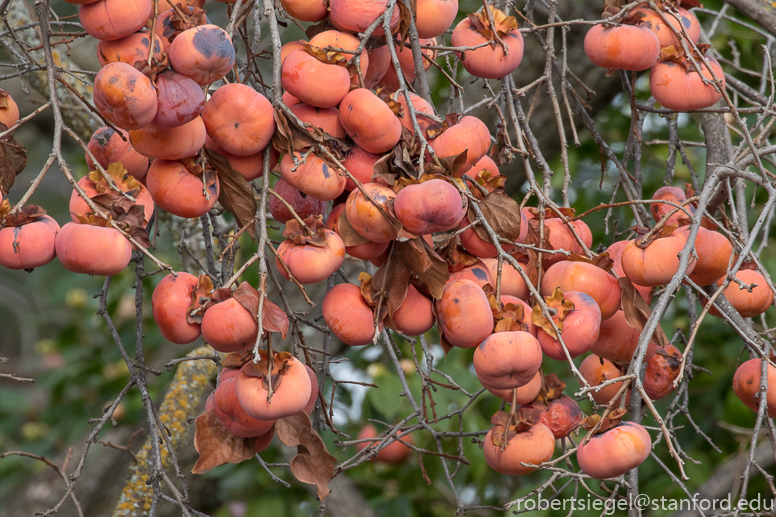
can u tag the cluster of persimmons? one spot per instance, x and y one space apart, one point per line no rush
155 88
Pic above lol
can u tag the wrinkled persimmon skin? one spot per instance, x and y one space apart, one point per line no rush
470 134
487 62
177 191
229 327
614 452
114 19
748 304
624 47
305 10
662 369
507 360
313 177
664 34
348 315
366 251
658 263
204 53
308 263
535 446
79 206
128 49
233 417
479 273
746 384
108 147
304 206
562 238
366 218
525 394
617 340
714 252
482 248
395 453
356 16
615 253
170 144
414 317
421 106
512 283
680 89
290 396
325 118
580 328
30 245
239 119
561 416
179 100
464 315
587 278
169 306
92 250
434 17
313 391
429 207
314 82
595 370
124 96
360 164
369 121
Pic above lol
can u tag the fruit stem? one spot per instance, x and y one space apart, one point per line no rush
270 362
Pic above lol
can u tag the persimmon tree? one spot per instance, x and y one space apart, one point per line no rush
390 252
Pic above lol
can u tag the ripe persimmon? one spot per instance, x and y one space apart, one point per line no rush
479 273
395 453
365 251
665 35
313 177
239 119
617 340
596 370
615 451
304 206
658 262
464 316
415 316
587 278
746 385
309 80
662 369
507 360
489 61
228 326
525 394
230 413
204 54
128 49
173 143
676 84
291 387
178 191
124 96
179 100
109 146
429 207
360 164
29 245
622 47
355 16
309 263
169 306
305 10
534 445
366 218
92 250
114 19
714 251
434 17
512 283
470 134
348 316
580 325
369 121
749 304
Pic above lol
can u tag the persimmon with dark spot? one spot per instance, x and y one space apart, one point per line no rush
204 54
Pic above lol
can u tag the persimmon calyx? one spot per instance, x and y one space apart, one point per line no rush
28 214
612 420
276 370
314 231
552 388
559 307
506 427
503 24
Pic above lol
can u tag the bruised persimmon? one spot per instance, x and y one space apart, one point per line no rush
365 251
111 146
714 251
676 196
489 61
746 386
173 143
305 10
658 262
169 306
470 134
29 245
395 453
479 273
314 82
204 54
178 191
464 316
429 207
622 47
179 100
348 316
309 263
230 413
579 320
291 387
415 316
512 283
304 206
615 451
507 360
355 16
360 164
239 119
665 35
587 278
92 250
326 119
228 326
749 304
596 370
128 49
124 96
434 17
677 86
114 19
369 121
366 218
662 369
313 176
617 340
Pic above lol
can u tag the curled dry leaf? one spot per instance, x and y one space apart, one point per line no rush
502 213
503 23
395 164
558 303
613 419
422 260
407 14
637 311
182 20
28 214
278 367
602 260
508 318
273 318
485 178
312 464
349 236
290 136
552 388
13 160
216 445
453 163
200 299
93 220
314 30
237 359
679 56
391 281
236 193
314 234
455 254
155 68
505 429
437 128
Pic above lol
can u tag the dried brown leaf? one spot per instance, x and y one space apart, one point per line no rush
216 445
349 236
312 464
637 311
236 194
422 260
13 160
